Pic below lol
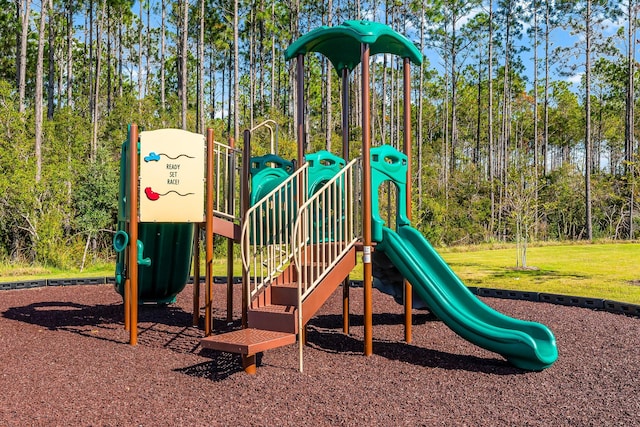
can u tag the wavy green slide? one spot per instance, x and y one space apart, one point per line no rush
526 345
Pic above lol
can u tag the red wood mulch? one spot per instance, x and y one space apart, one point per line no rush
66 361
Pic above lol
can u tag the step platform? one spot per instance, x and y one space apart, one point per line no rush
249 341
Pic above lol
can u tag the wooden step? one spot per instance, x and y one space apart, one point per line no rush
279 318
284 294
248 341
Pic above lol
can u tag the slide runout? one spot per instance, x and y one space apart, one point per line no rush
527 345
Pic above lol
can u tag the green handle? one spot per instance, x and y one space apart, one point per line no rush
146 262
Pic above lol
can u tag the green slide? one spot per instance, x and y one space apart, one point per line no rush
527 345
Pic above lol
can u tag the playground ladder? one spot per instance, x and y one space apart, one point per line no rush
294 258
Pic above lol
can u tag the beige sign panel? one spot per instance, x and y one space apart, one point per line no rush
172 173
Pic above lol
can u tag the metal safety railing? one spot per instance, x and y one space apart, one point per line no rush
267 245
227 161
326 228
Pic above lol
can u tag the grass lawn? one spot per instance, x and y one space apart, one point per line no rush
609 271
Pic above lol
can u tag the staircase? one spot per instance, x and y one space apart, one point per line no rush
293 259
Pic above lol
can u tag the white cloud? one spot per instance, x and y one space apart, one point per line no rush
575 79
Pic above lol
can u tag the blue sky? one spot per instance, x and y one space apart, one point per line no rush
560 37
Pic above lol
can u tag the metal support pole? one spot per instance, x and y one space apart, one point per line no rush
345 156
208 313
231 204
366 204
300 109
244 203
408 291
196 276
133 235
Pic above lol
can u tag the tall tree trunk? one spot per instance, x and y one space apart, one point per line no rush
230 110
545 138
329 71
261 59
184 40
587 134
89 66
163 29
252 66
454 92
291 99
70 53
536 159
120 59
505 134
38 91
629 109
476 151
200 118
236 74
420 111
96 91
490 159
272 101
212 84
52 70
109 58
147 70
24 10
140 47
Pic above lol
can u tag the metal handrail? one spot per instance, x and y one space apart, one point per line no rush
267 123
226 175
267 223
325 230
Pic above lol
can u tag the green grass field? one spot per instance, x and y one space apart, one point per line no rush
609 270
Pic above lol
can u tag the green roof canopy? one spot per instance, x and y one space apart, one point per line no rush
341 44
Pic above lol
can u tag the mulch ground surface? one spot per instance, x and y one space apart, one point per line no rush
66 361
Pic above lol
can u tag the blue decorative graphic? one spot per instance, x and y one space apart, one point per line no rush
152 157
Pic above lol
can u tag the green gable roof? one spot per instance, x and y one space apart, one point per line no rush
341 44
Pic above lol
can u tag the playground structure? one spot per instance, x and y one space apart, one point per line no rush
301 224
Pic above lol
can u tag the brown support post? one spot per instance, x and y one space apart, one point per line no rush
345 156
127 304
249 363
229 280
196 276
208 313
345 114
408 291
366 204
231 201
300 108
133 235
244 203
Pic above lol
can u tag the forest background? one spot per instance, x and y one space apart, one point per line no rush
523 112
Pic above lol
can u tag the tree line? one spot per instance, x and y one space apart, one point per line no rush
509 144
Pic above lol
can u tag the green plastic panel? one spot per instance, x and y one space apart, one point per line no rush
388 164
323 166
268 172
